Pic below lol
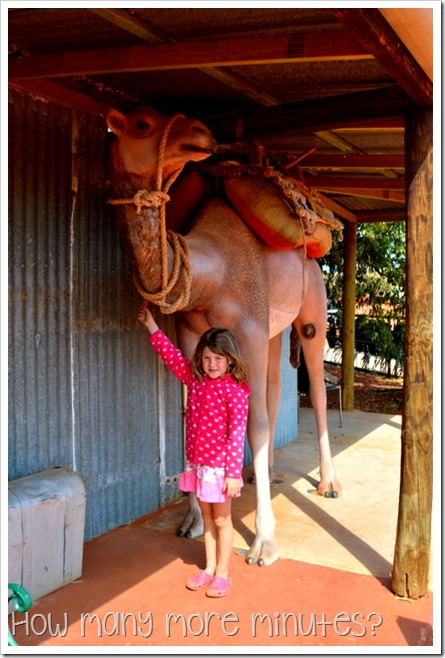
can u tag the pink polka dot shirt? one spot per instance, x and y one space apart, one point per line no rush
216 414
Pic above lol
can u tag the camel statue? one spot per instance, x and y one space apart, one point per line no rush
220 274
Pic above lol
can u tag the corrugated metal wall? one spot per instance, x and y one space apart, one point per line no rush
40 412
85 388
287 419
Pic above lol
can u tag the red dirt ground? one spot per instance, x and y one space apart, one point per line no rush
373 392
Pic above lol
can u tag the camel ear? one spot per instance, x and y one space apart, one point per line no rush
116 122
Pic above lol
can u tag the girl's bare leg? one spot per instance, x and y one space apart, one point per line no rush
210 537
222 519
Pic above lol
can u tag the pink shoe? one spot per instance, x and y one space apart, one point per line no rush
202 579
219 587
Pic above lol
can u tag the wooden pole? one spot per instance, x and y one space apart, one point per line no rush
348 346
413 541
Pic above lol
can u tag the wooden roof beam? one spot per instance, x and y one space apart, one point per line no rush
375 33
338 141
310 116
131 23
394 124
371 216
59 94
235 51
369 193
334 182
338 209
374 161
127 21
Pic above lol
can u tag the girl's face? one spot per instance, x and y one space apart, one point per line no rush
214 365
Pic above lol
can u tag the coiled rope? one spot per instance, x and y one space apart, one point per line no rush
181 254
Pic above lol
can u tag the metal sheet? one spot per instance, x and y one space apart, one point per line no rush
287 419
85 388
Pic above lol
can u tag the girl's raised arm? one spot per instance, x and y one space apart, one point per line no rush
146 318
172 357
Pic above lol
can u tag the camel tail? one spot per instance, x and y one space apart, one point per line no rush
295 348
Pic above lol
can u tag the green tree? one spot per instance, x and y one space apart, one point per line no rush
380 283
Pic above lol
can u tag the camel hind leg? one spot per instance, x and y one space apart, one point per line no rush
311 328
273 398
192 524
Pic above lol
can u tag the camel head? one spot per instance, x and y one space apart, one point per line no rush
135 152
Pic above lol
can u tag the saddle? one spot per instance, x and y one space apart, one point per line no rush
281 211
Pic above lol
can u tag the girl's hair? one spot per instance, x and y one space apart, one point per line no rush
220 341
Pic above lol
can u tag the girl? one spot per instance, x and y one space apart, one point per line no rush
216 422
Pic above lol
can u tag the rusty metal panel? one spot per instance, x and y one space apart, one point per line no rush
86 390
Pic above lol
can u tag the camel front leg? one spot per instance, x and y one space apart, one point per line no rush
264 549
192 525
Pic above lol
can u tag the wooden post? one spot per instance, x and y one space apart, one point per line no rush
413 541
348 345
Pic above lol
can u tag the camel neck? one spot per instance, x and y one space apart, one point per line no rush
141 237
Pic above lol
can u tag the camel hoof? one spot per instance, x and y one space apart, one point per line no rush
263 552
189 534
329 488
181 533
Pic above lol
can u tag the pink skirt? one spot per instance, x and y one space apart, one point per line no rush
206 482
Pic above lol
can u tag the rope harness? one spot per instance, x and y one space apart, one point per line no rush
181 255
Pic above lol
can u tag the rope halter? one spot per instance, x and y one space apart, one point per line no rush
181 255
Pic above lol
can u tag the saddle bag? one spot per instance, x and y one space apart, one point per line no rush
283 222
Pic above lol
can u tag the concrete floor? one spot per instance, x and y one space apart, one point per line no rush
337 556
338 533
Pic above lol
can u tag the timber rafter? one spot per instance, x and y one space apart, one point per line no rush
365 35
380 39
234 51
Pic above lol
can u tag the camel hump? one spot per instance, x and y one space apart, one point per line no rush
280 214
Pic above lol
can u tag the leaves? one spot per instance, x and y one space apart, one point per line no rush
380 284
380 266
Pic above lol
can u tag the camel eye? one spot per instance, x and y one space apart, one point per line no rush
142 125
